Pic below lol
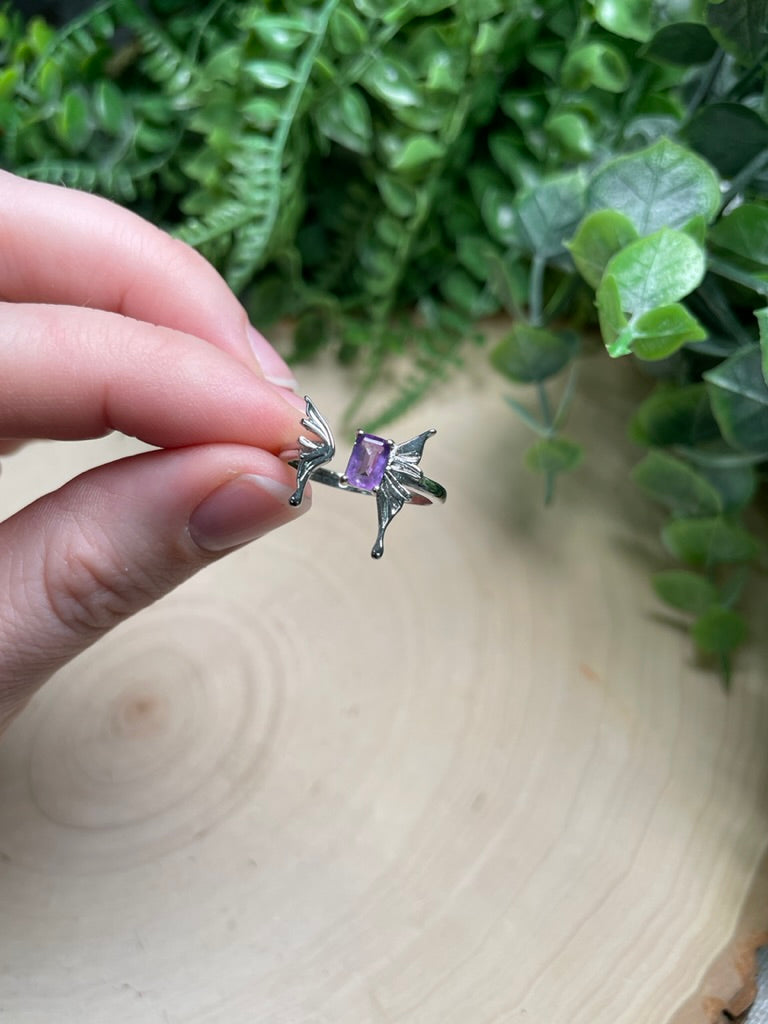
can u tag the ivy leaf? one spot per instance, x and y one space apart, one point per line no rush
740 26
553 455
663 185
595 64
600 236
729 135
675 415
739 396
530 354
547 214
685 590
662 331
708 542
656 270
676 485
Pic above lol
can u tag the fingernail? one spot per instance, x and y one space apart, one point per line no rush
274 367
293 399
241 510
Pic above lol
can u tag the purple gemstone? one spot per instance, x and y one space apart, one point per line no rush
368 461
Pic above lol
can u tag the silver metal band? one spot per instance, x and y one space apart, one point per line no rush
423 492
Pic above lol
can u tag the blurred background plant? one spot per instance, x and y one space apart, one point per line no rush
389 174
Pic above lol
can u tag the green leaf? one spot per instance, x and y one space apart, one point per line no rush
740 26
662 331
110 107
595 64
72 122
553 455
675 415
657 270
682 44
685 590
271 74
277 33
530 354
664 185
571 133
729 135
8 79
762 323
676 485
709 542
719 631
391 82
400 197
346 119
736 485
498 211
600 236
739 396
614 326
548 213
417 151
628 18
743 234
348 33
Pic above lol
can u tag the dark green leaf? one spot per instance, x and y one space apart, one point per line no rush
664 185
729 135
498 211
662 331
553 455
528 354
739 396
598 64
743 235
735 484
685 590
348 33
719 631
740 26
676 485
400 197
110 107
682 43
708 542
762 323
675 415
548 213
391 82
599 237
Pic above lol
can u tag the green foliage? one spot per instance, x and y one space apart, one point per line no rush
388 174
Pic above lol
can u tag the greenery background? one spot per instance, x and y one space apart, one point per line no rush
389 174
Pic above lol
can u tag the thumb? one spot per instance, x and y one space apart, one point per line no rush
110 542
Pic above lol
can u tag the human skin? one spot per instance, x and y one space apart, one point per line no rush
107 323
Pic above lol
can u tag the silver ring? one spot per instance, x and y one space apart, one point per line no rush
377 466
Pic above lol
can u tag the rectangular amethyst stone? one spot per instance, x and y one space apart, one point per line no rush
368 461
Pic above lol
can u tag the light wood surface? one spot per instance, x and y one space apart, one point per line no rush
479 782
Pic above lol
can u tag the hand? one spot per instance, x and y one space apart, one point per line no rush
107 323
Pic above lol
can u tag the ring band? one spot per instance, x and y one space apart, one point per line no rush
377 466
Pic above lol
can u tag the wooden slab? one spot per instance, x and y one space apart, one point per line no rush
478 782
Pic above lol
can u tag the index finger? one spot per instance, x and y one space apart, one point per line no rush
62 246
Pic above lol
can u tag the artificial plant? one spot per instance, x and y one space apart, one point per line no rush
390 173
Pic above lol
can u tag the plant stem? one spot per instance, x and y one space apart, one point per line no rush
536 290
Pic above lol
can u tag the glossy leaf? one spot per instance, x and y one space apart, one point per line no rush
685 590
656 270
614 325
729 135
739 396
596 64
417 151
709 542
743 234
271 74
600 236
740 26
628 18
675 484
346 119
664 185
391 82
662 331
681 43
530 354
